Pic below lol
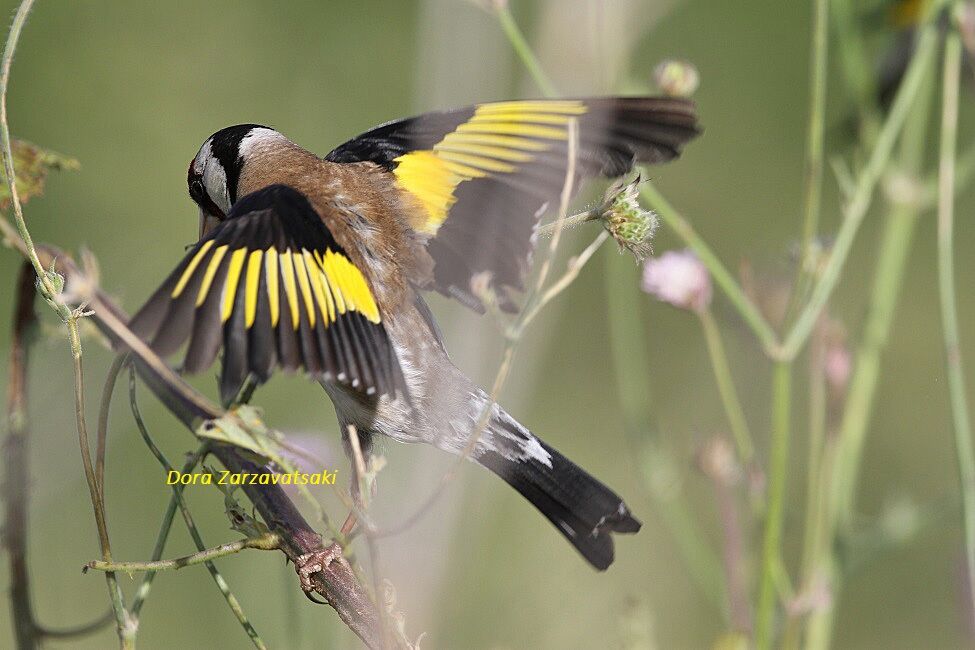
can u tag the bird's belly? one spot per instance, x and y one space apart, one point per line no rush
387 416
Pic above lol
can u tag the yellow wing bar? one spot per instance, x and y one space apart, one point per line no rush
498 139
326 284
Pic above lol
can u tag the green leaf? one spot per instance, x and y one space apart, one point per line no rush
31 164
243 427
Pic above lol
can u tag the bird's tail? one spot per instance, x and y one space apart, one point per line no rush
584 510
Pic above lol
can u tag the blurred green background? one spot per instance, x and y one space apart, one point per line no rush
133 88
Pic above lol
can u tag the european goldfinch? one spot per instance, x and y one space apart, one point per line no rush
318 265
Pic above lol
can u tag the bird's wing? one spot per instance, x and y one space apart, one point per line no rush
274 289
484 174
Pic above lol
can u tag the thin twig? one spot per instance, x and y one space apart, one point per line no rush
16 486
20 18
77 631
268 542
126 629
573 268
964 453
103 413
568 188
571 221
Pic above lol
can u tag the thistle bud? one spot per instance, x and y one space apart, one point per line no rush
676 78
630 225
716 459
678 278
839 366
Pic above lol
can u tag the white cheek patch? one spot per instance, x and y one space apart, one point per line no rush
215 181
205 154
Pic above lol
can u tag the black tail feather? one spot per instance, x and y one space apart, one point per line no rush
584 510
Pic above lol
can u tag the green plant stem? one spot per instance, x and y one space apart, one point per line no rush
856 209
814 134
524 50
815 450
841 468
894 249
142 593
194 532
949 312
778 479
268 542
126 630
20 18
813 176
726 387
722 277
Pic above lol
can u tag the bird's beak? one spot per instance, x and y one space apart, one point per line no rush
207 223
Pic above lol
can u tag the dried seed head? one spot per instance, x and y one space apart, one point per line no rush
630 225
676 78
678 278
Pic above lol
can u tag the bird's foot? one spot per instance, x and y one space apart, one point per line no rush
311 563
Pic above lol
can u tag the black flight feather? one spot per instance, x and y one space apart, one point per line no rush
352 349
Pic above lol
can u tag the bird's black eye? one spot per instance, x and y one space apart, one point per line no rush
197 193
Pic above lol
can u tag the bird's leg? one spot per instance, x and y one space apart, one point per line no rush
311 563
364 440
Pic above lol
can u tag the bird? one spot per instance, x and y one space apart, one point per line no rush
318 265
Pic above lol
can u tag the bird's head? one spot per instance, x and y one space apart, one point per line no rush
215 172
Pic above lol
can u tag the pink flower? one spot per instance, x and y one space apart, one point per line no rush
678 278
